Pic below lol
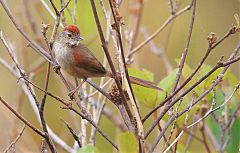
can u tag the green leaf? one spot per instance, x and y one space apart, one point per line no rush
144 74
234 142
145 96
181 148
167 84
88 149
216 131
232 79
186 72
127 143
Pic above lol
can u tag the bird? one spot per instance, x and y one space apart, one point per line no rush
78 60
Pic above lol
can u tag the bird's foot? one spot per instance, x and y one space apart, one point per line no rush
56 68
71 93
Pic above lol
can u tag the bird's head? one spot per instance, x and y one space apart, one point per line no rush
70 35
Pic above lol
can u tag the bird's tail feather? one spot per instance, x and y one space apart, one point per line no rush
138 81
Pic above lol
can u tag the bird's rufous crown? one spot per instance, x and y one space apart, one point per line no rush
72 28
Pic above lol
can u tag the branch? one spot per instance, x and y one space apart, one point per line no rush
13 143
82 114
46 136
42 106
74 134
185 52
168 21
136 117
213 110
218 65
104 45
33 44
208 51
57 21
22 118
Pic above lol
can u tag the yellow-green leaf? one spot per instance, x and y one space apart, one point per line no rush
127 143
166 84
88 149
145 96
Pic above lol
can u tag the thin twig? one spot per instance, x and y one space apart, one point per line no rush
204 137
13 143
63 14
84 115
175 141
157 51
46 136
49 11
136 115
74 134
189 140
171 7
170 120
138 22
57 21
210 48
104 45
218 65
185 52
24 87
220 76
174 123
213 110
191 125
36 130
32 97
11 54
168 21
42 106
33 44
164 137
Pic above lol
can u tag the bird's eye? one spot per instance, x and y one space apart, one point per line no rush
69 35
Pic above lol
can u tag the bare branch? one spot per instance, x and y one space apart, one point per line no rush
74 134
33 44
22 118
220 76
210 48
168 21
104 45
13 143
185 52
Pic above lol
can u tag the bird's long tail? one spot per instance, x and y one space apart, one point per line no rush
138 81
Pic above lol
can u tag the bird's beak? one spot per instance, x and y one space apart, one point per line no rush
79 38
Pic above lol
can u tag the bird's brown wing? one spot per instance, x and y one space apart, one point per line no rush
83 58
